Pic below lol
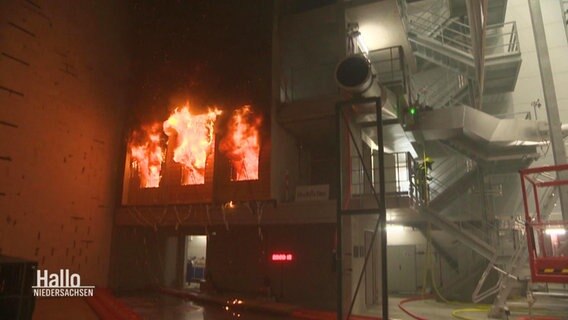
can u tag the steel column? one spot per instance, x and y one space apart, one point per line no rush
379 198
552 113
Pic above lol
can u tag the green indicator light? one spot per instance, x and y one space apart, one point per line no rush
412 111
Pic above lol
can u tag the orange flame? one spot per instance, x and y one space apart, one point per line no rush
242 144
194 140
146 151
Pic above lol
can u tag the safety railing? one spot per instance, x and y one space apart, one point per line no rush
436 23
389 66
446 173
454 34
502 39
525 115
397 174
430 20
546 238
445 91
486 230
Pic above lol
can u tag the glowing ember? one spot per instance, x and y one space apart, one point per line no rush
242 144
194 140
145 147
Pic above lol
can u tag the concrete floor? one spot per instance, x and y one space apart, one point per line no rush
165 307
432 310
63 309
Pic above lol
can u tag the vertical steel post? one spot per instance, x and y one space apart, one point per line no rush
339 224
550 102
382 212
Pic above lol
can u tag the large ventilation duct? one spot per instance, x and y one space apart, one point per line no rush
464 121
355 75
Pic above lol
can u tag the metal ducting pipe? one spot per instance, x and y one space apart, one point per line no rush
354 75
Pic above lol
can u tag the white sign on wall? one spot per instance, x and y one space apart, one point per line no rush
312 193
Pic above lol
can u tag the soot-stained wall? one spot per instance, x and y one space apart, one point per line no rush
63 72
238 260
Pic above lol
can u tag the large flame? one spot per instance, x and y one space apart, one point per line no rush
242 144
145 147
194 140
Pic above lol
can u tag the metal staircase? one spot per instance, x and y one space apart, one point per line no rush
458 187
440 37
442 40
516 268
495 12
464 236
448 90
450 179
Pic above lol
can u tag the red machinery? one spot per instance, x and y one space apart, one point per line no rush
547 240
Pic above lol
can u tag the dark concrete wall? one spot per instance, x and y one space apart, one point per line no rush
138 256
63 75
238 260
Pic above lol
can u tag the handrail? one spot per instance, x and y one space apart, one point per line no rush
395 69
502 38
548 198
401 183
439 10
444 90
439 179
526 115
448 32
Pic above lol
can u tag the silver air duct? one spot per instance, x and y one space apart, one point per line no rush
355 75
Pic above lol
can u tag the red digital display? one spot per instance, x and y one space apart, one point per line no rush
282 257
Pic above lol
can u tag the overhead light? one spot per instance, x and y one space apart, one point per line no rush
555 231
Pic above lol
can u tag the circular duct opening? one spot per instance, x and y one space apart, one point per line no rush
354 74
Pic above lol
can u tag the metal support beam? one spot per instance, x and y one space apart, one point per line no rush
339 230
382 216
380 226
554 125
477 14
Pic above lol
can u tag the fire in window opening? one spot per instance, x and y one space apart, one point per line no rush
241 144
147 147
193 139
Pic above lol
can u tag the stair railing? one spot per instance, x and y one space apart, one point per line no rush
502 39
508 271
445 91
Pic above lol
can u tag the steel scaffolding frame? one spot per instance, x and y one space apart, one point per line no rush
379 198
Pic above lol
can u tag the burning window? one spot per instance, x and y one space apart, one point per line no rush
242 144
194 139
147 154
